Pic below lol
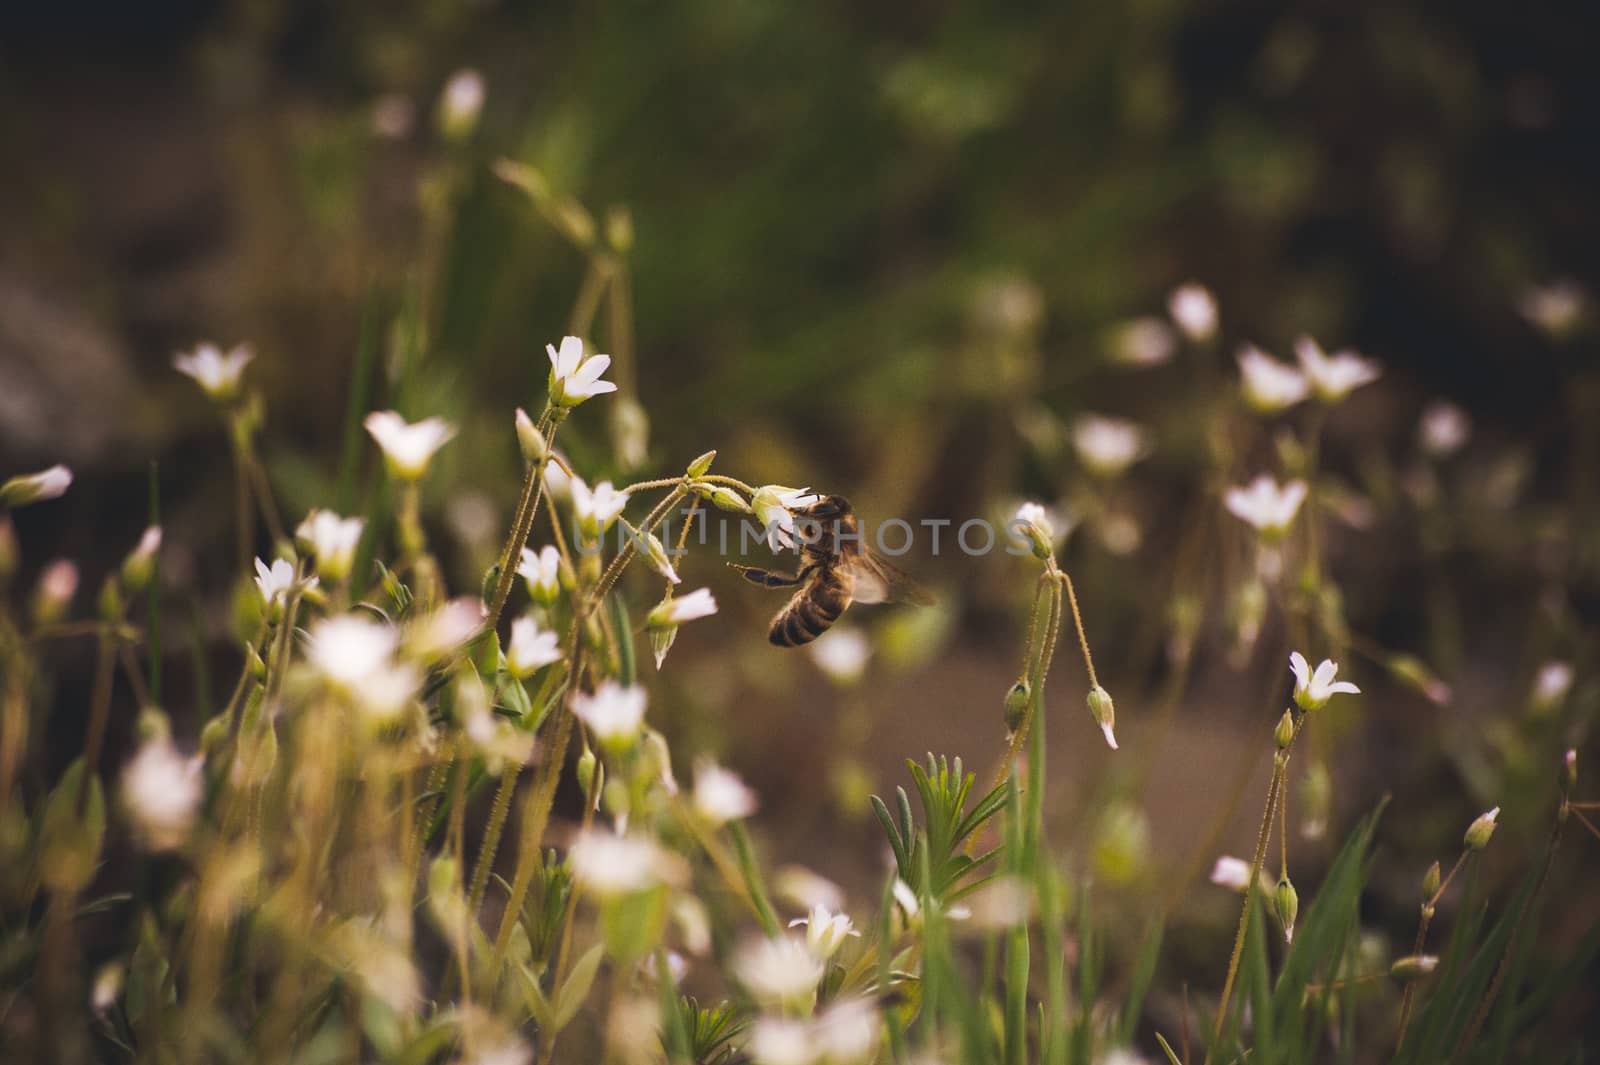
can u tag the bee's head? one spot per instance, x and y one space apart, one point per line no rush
828 507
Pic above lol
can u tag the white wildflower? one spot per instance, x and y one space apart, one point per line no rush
612 865
542 571
826 931
614 714
1443 429
781 970
1333 377
720 796
531 649
461 102
1269 386
1266 505
357 658
1551 684
217 373
407 447
1231 873
596 507
842 654
1312 690
333 540
29 488
774 507
162 790
575 375
1108 446
1194 309
675 611
1143 342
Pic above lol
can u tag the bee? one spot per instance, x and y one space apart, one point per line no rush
836 569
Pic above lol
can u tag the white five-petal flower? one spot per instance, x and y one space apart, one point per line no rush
1269 386
1333 377
216 372
333 540
596 507
162 790
721 796
774 507
1108 446
1312 690
531 648
1267 505
613 713
542 571
574 375
826 931
408 447
274 581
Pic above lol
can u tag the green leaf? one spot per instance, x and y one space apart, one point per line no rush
577 986
73 830
538 1005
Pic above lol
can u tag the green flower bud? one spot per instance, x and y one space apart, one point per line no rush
1017 700
256 664
1283 735
141 561
30 488
724 498
699 466
111 606
1482 827
72 831
213 735
1104 712
1570 768
530 440
1413 967
662 638
619 228
656 553
491 581
1286 904
1430 881
10 554
588 765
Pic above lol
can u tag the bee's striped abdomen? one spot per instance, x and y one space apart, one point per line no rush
810 612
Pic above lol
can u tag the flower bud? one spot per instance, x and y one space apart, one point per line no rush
724 498
535 448
213 735
619 229
1413 967
140 563
699 466
1286 904
656 552
72 831
662 638
1414 673
1283 735
1104 712
1430 882
255 664
111 604
1482 827
57 585
27 488
1017 700
588 765
1570 768
9 552
460 104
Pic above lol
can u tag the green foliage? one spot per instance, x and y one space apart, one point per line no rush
930 859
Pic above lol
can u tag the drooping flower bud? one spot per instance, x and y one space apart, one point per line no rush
1286 904
1017 700
1413 967
24 489
1104 712
530 440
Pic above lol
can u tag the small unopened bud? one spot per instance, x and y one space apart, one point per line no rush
10 554
662 638
57 585
1482 827
588 764
534 447
28 488
213 735
699 466
443 877
111 604
656 551
1105 714
1286 904
1414 673
140 563
1569 765
1283 735
1017 700
460 104
619 228
256 664
1430 881
724 498
1413 967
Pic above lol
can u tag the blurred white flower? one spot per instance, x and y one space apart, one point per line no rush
774 507
217 373
613 713
612 865
826 931
1333 377
441 631
1121 1056
1194 309
842 654
333 540
461 102
393 116
780 970
848 1032
162 790
596 507
29 488
1443 429
542 572
108 980
57 585
1312 690
496 739
1266 505
1004 902
1551 685
782 1041
1231 873
1108 446
357 658
1143 342
574 375
1556 307
806 888
1269 386
407 447
530 649
720 796
679 609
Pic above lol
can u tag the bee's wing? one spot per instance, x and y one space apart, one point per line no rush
877 580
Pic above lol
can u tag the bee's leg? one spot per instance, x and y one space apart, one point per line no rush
765 577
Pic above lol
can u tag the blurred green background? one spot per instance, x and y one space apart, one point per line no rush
883 250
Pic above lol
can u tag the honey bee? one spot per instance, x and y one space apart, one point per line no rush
836 569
